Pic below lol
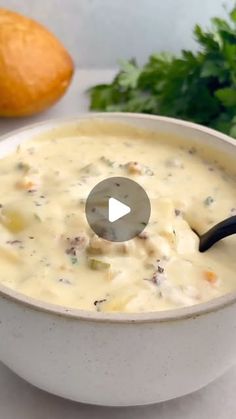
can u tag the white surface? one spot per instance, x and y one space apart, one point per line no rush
99 32
20 400
75 101
117 210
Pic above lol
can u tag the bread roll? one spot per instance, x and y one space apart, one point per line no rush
35 69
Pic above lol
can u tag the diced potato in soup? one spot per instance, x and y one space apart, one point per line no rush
48 251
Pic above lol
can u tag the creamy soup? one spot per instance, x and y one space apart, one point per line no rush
49 252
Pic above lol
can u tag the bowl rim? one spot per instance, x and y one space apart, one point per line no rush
172 315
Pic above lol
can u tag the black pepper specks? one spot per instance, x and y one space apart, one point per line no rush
98 303
64 281
208 201
192 150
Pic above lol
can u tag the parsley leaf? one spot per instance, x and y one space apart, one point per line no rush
200 87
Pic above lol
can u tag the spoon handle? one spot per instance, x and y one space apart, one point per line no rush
219 231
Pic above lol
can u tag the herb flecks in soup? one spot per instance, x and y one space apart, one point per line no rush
48 251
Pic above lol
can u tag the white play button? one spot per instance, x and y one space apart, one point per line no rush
117 210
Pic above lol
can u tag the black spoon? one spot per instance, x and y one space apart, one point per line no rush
221 230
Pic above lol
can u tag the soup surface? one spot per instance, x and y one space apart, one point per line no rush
49 252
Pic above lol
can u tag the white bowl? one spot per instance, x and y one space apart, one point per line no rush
118 359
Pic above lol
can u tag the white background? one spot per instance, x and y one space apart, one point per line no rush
99 32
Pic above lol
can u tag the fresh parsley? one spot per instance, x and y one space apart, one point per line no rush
200 87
